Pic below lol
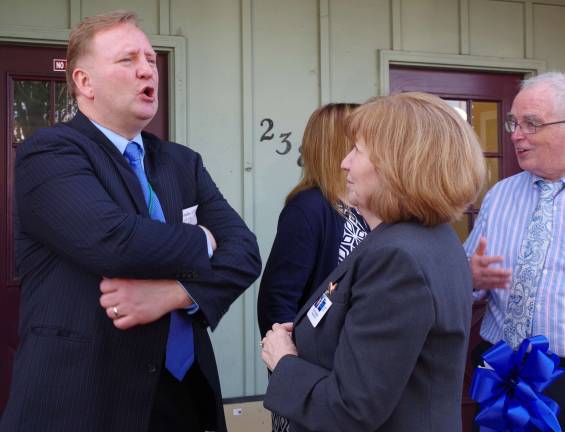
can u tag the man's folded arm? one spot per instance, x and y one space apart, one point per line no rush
62 203
236 262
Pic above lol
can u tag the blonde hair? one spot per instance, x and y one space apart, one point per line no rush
82 34
324 145
429 162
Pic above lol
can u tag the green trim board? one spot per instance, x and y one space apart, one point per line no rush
324 31
251 355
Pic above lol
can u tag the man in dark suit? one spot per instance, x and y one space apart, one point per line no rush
118 292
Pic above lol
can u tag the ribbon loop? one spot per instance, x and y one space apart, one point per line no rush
509 388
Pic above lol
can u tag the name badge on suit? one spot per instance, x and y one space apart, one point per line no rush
321 306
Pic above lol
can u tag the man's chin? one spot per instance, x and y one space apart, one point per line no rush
145 117
146 110
526 165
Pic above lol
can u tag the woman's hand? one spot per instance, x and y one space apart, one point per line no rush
276 344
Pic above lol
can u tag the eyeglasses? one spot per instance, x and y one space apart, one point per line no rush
527 126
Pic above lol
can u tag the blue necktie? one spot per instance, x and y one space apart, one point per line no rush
180 343
529 267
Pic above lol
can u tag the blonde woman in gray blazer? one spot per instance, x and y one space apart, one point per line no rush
381 344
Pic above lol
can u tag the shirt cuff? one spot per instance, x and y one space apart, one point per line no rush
210 250
193 308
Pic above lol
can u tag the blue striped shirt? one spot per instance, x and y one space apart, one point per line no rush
503 219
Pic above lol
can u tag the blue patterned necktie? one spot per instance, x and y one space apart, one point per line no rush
529 266
180 343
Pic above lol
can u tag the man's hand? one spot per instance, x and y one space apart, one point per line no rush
484 276
276 344
131 302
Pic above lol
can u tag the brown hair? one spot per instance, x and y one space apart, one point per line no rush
429 161
324 145
82 34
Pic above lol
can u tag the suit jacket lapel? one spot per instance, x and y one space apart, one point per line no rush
83 125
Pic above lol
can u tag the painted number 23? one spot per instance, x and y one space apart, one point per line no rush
268 135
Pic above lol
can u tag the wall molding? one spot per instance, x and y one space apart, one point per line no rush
251 352
537 2
325 51
464 27
396 24
528 10
528 29
75 12
41 35
164 17
452 61
528 24
175 45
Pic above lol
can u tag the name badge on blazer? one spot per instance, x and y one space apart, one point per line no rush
189 215
319 309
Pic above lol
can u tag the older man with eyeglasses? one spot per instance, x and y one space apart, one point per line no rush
517 247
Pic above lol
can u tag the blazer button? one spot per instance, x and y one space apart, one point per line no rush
151 367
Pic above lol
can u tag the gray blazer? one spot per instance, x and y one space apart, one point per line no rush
389 354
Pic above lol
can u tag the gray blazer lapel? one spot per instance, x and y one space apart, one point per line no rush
334 277
337 274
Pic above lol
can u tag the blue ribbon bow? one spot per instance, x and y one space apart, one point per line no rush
510 394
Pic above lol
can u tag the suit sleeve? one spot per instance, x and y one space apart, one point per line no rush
236 262
288 268
391 312
62 204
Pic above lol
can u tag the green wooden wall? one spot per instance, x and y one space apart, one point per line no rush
236 63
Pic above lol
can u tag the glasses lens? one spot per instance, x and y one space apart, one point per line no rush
528 127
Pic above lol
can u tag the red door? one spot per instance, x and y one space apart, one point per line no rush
484 98
33 95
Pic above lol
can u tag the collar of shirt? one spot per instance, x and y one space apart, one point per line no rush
534 178
119 141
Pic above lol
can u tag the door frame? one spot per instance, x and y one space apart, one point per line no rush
528 67
178 79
